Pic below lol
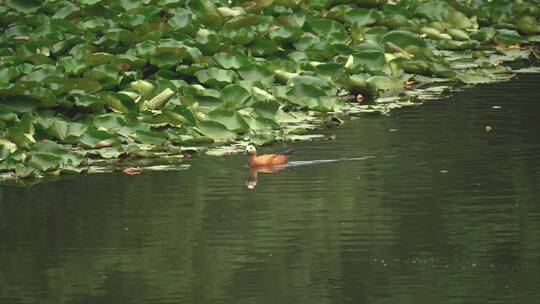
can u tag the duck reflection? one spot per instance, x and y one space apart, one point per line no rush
251 182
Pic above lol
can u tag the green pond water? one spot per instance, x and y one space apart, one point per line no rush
443 212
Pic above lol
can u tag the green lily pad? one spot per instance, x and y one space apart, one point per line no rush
24 6
263 47
325 27
368 61
267 109
403 39
260 73
44 161
230 119
206 12
149 137
224 150
286 33
51 148
228 60
216 131
361 16
457 19
68 132
98 139
433 9
383 83
110 122
234 95
216 77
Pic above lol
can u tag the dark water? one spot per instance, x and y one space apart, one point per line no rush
444 212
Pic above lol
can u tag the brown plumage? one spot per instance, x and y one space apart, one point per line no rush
266 159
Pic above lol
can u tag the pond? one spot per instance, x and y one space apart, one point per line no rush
436 204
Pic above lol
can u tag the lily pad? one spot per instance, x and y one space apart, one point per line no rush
361 16
234 95
149 137
216 131
230 119
98 139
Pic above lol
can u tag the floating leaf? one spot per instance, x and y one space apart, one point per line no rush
216 77
267 109
228 61
149 137
326 27
132 170
98 139
224 150
383 83
206 12
368 61
171 167
111 122
44 161
433 9
254 72
230 119
263 47
457 19
361 16
216 131
528 25
403 39
286 33
24 6
302 90
68 132
51 148
234 95
473 78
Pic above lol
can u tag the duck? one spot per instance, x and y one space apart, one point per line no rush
277 159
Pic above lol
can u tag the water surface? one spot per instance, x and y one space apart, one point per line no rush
443 212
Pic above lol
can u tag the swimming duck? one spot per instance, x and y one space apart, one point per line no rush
266 159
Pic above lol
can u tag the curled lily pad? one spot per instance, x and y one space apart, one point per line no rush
457 19
403 39
216 77
149 137
98 139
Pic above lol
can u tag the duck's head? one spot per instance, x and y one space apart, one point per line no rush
250 150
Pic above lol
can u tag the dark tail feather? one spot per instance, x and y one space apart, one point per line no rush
287 152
